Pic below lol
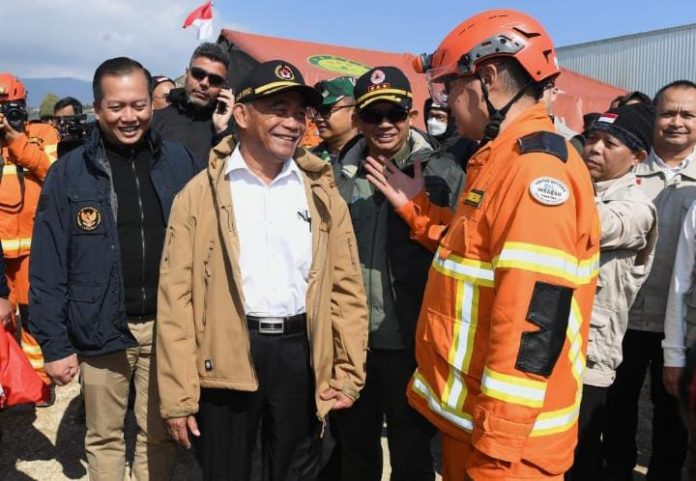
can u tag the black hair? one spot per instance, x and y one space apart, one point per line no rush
66 102
212 51
517 78
683 84
117 66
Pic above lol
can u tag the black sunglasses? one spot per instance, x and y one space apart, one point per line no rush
325 112
374 116
214 80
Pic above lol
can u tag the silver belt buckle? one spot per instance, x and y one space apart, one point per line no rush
271 325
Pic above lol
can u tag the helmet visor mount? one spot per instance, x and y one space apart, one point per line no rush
439 77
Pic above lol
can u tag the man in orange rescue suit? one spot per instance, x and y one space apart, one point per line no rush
28 150
503 327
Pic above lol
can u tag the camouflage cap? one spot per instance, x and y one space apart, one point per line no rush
335 89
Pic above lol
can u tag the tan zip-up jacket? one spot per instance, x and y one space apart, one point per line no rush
672 198
202 335
627 249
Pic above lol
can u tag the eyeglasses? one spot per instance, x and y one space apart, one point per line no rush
214 80
374 116
325 112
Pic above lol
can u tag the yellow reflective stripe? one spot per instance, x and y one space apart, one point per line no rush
555 422
459 356
51 152
460 419
468 270
561 420
9 169
526 392
545 260
14 244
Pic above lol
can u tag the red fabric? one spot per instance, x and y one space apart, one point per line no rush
20 383
204 12
578 94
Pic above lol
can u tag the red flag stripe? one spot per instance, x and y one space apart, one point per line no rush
204 12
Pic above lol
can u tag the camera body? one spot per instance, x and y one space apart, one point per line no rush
15 113
71 128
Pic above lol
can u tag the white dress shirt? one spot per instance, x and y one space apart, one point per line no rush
275 239
674 343
670 171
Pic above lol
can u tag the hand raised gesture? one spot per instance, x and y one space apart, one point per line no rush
396 186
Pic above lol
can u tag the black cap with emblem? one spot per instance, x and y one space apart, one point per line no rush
273 77
383 83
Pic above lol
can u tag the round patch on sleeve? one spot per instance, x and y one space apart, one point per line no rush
549 190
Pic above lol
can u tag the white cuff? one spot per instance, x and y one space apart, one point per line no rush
675 356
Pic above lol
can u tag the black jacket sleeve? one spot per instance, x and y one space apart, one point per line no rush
4 289
48 270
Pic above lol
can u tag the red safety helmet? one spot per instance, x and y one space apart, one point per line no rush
11 88
494 33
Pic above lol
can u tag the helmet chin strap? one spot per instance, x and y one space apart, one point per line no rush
497 116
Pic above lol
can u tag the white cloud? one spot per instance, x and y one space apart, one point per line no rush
70 38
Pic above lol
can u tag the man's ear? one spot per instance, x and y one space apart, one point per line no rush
641 155
241 115
356 121
413 115
489 73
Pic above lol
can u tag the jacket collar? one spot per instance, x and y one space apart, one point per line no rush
418 143
317 170
94 144
607 188
179 101
651 166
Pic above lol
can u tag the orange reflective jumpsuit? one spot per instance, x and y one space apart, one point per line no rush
503 327
26 162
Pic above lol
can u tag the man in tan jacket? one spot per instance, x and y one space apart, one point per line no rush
617 142
262 315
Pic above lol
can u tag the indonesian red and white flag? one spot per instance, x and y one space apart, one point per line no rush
202 17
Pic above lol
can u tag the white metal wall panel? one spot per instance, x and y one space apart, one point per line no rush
644 61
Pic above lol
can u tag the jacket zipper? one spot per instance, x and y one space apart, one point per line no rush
142 234
319 261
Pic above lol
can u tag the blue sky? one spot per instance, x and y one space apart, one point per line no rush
418 26
70 38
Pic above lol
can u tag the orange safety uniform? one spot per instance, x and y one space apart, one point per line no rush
26 162
503 327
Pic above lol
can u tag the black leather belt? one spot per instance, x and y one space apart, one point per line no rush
141 319
277 326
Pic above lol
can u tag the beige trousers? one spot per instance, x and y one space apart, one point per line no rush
105 384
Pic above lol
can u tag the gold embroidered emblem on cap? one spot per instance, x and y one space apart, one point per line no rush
88 218
284 72
377 77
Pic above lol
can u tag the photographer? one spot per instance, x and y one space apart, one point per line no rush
71 124
28 149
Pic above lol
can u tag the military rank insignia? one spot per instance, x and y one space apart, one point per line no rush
88 218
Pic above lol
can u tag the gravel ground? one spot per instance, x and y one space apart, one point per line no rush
48 444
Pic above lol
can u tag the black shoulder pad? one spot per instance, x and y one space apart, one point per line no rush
546 142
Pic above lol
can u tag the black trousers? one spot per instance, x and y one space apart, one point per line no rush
408 433
284 406
588 453
642 351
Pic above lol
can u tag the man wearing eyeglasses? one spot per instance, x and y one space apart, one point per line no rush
196 116
334 117
394 272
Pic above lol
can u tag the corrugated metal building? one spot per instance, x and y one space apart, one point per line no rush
644 61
